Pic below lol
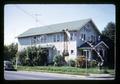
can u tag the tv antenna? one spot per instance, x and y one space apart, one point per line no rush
36 18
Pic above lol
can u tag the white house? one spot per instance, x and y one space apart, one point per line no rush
70 37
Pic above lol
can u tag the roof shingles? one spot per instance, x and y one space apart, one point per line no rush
73 25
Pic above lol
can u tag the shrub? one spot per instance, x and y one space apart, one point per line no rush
93 63
80 61
71 63
22 57
58 60
33 56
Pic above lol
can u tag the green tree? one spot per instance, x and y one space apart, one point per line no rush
6 53
10 52
108 36
109 31
33 56
22 57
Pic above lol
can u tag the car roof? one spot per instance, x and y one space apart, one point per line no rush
7 62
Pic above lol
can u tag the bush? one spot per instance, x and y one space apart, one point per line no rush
93 63
22 57
58 60
71 63
33 56
80 61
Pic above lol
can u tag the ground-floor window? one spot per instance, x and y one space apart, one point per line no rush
72 51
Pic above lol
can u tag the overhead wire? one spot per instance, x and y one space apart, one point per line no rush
25 11
32 16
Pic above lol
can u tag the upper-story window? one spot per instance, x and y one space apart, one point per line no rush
51 38
92 38
54 38
33 40
84 28
34 37
75 35
58 37
87 28
61 37
44 39
88 25
83 36
37 39
71 36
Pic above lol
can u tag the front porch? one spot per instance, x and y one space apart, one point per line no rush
51 50
96 52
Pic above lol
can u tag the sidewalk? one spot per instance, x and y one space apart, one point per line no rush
69 75
101 75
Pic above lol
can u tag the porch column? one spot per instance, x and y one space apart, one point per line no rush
89 57
103 52
50 55
86 60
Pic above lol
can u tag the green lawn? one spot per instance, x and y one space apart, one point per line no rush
63 69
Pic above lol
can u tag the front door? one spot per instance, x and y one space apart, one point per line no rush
86 53
45 56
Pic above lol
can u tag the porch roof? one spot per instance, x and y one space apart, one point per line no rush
86 45
101 43
47 46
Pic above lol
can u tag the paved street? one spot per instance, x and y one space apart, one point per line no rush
24 75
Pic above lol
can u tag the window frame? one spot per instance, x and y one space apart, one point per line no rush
54 38
58 37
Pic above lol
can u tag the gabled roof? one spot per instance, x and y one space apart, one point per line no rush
85 45
95 45
73 25
101 43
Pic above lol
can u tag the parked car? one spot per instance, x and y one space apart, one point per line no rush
8 66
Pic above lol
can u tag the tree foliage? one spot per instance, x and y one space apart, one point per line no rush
33 56
71 63
108 36
10 52
58 60
109 31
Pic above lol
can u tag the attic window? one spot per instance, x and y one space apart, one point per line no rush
88 25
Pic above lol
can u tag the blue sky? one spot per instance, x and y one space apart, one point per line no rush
21 17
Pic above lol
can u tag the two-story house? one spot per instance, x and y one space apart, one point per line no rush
55 39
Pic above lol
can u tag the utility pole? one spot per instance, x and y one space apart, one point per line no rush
86 61
16 62
86 64
16 59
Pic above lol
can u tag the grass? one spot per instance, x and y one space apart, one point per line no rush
63 69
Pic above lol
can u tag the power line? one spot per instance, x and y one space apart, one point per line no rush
34 17
25 11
